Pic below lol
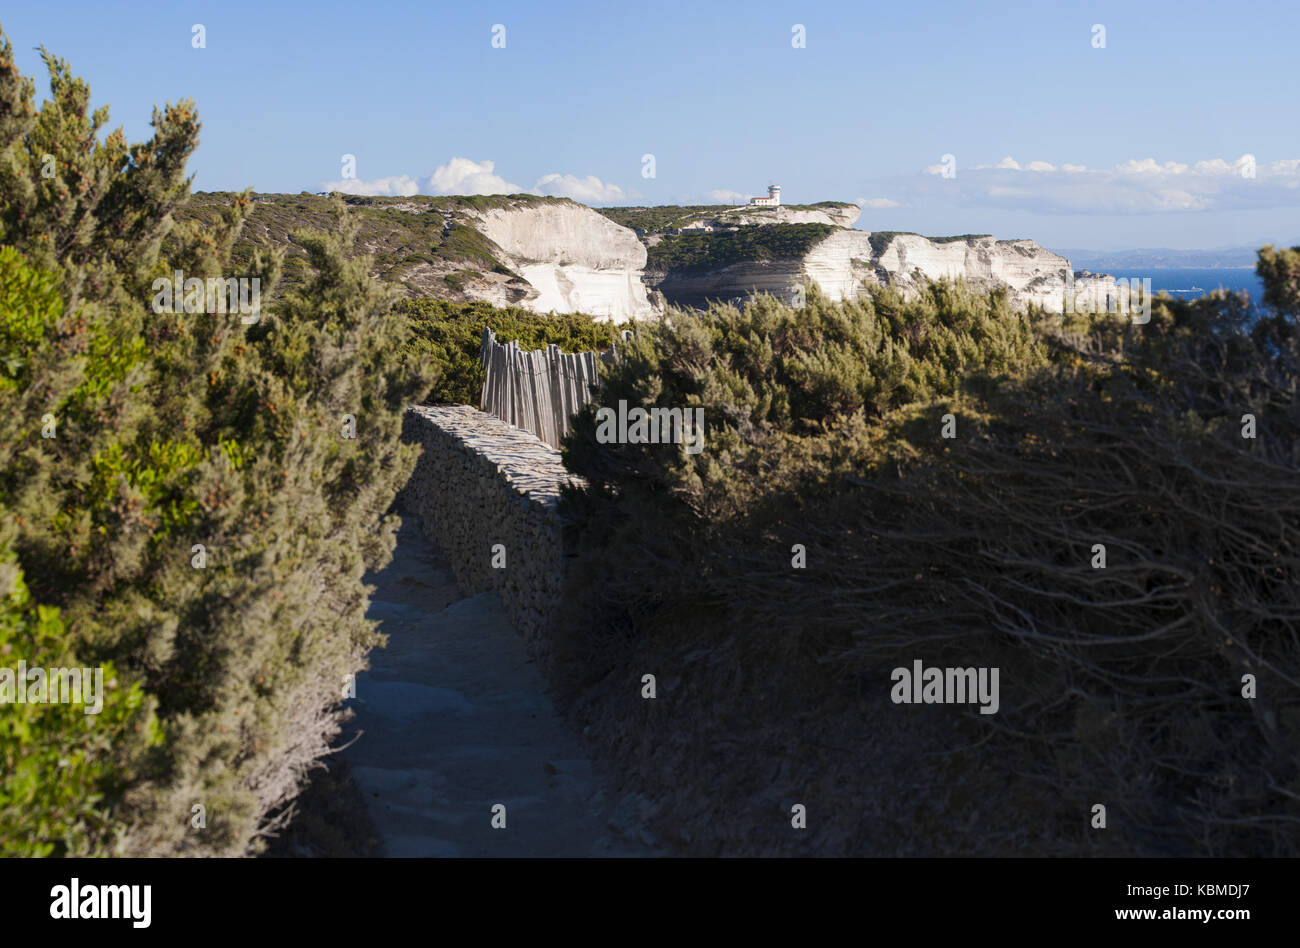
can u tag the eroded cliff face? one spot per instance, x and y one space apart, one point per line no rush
841 264
572 260
1033 274
845 263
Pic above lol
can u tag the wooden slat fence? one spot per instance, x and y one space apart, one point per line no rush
540 390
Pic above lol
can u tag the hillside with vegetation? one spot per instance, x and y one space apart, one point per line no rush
697 253
662 218
422 245
1106 512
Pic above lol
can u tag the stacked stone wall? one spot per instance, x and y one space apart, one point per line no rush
487 494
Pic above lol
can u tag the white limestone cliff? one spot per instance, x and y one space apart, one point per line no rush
844 263
565 257
573 259
840 264
1032 273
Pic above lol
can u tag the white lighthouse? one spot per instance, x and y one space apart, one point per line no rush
773 198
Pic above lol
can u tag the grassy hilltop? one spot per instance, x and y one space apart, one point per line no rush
418 243
657 220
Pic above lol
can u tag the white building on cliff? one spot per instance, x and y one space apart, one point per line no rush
773 198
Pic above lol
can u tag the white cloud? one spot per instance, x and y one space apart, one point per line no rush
462 176
876 203
1134 186
465 176
723 196
1150 166
1010 164
589 190
400 186
1214 166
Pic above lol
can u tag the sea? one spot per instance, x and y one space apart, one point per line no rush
1190 284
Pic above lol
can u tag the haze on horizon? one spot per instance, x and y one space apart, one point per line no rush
1178 133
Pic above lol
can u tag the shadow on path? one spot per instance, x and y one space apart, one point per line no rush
455 719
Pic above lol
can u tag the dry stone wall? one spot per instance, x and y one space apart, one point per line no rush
487 494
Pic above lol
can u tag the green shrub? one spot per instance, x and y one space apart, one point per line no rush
823 430
137 446
769 377
449 335
60 767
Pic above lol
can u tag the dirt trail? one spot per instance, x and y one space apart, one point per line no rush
455 719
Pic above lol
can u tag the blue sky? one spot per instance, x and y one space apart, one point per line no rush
1140 143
